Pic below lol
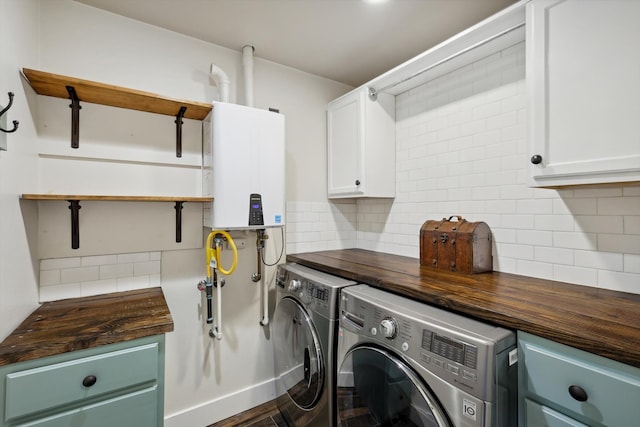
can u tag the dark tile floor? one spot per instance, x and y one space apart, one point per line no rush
265 415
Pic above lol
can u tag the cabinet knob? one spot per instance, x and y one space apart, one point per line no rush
578 393
536 159
89 380
357 182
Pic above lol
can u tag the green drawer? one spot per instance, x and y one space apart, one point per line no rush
612 389
538 415
51 386
131 410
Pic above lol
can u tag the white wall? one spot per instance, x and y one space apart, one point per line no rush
126 152
18 168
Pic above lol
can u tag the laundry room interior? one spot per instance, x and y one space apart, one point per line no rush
129 255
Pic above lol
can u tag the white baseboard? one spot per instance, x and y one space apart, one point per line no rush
223 407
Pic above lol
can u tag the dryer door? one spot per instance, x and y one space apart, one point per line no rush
377 388
298 354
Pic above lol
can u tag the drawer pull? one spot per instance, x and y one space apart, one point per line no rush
89 380
578 393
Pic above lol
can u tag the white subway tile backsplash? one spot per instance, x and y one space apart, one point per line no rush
575 240
631 191
93 275
98 260
534 237
600 260
49 277
98 287
133 283
577 275
624 282
631 224
60 263
623 243
79 274
598 192
554 222
619 206
133 257
535 269
116 271
57 292
514 251
506 265
632 263
598 224
517 221
575 206
554 255
535 206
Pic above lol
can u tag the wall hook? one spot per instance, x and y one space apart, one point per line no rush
15 122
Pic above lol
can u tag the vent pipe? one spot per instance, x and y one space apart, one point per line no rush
247 63
222 81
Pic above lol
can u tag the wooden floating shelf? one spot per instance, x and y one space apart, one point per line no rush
116 198
78 90
55 85
74 207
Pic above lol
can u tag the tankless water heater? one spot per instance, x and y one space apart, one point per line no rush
244 167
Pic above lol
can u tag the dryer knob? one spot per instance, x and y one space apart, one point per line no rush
294 285
388 327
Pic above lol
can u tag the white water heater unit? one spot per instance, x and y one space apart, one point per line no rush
244 167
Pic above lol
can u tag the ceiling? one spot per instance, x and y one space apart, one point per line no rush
349 41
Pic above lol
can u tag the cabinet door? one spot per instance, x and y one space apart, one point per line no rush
50 386
137 409
344 151
583 73
585 387
538 415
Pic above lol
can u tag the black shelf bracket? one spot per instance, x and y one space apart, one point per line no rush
178 122
74 206
75 117
178 209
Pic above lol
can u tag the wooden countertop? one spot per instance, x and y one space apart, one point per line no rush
78 323
599 321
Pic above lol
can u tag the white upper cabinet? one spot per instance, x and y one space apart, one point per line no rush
583 76
361 145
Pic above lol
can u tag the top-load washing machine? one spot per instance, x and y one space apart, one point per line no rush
405 363
305 327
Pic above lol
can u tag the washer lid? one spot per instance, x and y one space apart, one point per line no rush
298 355
375 388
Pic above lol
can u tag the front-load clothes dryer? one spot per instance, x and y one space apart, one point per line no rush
305 327
404 363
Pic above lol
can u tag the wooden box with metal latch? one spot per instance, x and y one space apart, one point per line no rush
458 245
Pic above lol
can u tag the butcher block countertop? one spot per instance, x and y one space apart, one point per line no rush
599 321
78 323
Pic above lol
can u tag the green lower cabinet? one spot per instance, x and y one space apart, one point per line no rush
560 386
542 416
130 410
112 385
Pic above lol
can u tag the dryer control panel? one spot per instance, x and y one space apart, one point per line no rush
457 349
315 290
